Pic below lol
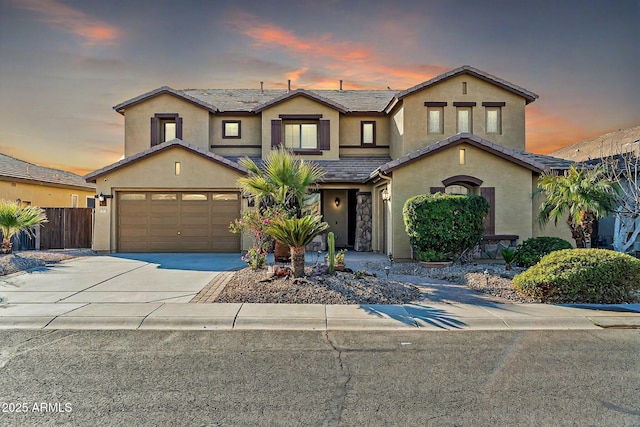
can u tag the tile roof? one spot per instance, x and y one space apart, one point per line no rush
623 140
535 162
93 176
253 100
467 69
13 168
346 101
348 169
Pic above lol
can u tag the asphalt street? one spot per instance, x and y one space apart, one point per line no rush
306 378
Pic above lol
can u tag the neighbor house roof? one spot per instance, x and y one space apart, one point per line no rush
620 141
93 176
346 170
13 169
534 162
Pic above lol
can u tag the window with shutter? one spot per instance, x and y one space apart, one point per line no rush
165 127
276 133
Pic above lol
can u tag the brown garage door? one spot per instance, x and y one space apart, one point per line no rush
174 221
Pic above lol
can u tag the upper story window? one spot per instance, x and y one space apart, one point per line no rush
304 132
464 119
301 136
435 119
493 116
368 133
435 116
231 129
165 127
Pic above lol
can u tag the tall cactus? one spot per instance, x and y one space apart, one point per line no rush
331 241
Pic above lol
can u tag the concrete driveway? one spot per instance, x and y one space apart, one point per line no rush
116 278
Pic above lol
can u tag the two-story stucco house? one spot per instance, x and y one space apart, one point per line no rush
462 131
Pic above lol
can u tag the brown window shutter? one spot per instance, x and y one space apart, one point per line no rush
325 135
435 190
276 133
179 128
154 131
489 193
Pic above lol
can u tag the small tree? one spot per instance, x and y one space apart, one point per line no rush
297 233
584 194
623 168
254 224
444 226
16 219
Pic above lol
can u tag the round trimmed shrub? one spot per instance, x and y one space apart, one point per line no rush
531 251
596 276
443 226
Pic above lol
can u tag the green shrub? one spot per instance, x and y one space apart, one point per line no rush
582 276
532 250
443 226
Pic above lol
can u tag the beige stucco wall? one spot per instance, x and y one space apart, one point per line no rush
250 135
560 230
350 133
396 132
450 91
512 187
43 195
137 122
302 105
156 172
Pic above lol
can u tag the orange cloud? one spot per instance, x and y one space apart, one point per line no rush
547 132
360 65
65 18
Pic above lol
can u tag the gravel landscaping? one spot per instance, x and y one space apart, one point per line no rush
250 286
490 278
25 260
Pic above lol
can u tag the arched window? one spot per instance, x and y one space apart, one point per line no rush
456 189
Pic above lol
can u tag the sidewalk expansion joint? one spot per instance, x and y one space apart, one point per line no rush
152 311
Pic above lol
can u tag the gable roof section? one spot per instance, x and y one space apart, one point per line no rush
19 170
534 162
300 92
467 69
120 108
623 140
216 158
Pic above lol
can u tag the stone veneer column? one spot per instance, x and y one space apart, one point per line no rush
363 222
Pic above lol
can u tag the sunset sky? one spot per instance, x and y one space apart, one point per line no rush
65 64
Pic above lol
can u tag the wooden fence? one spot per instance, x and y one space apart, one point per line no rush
68 228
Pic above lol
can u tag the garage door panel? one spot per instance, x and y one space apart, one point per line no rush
163 209
195 208
135 220
150 222
132 209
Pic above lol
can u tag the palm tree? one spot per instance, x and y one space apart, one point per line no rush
16 219
297 233
584 194
283 179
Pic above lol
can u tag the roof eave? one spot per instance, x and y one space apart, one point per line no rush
120 108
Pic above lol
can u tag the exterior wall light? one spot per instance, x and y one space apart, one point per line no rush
385 195
337 201
102 198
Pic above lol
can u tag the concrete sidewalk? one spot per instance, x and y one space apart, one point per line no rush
427 317
151 291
